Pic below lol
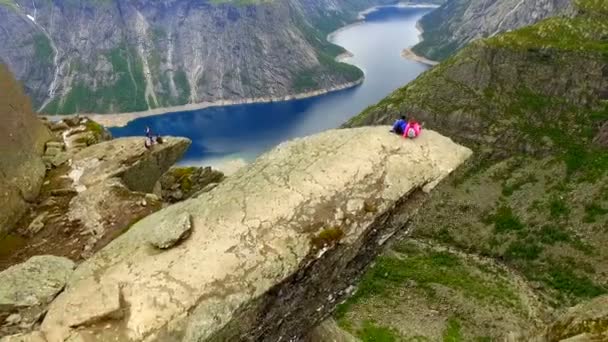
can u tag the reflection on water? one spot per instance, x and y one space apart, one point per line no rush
245 131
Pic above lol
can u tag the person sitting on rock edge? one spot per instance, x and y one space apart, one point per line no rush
412 129
399 126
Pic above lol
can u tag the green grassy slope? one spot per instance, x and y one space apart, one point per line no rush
533 104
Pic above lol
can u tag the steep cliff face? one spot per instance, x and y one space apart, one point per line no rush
22 139
116 56
533 105
459 22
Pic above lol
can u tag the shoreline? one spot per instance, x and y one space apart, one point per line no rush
404 4
111 120
122 119
407 53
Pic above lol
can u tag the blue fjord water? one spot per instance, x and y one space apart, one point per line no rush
222 135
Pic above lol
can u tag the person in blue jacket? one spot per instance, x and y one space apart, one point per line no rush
399 126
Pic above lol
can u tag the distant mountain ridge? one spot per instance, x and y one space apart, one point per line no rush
458 22
533 106
117 56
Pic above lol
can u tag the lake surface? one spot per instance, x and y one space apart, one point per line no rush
229 135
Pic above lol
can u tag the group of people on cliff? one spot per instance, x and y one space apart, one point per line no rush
152 139
407 128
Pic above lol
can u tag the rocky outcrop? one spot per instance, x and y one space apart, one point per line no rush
34 282
458 22
532 105
26 289
72 135
22 141
584 322
117 56
35 336
180 183
270 250
96 195
128 159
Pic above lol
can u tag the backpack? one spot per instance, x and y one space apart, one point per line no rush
411 133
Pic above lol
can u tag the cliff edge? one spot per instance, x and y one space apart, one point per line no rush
266 254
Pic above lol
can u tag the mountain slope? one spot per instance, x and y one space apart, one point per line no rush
117 56
22 141
459 22
533 104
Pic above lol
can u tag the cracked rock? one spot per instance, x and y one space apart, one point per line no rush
34 282
254 241
35 336
99 302
168 234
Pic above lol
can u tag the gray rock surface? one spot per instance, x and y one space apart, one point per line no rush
99 302
268 246
166 234
34 282
184 182
127 159
22 139
127 56
35 336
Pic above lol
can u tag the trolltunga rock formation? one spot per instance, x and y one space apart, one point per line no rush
269 251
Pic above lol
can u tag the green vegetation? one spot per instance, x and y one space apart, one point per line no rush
509 189
183 87
534 196
183 177
453 331
126 94
558 208
304 81
592 211
565 280
413 276
504 220
527 250
43 49
8 3
327 237
373 333
427 268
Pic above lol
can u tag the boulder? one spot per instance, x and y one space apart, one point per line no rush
268 246
585 322
35 336
127 159
109 206
184 182
99 302
166 234
22 142
34 282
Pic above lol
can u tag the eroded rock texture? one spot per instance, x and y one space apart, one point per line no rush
271 249
22 139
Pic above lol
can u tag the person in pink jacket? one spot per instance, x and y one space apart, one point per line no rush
412 129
